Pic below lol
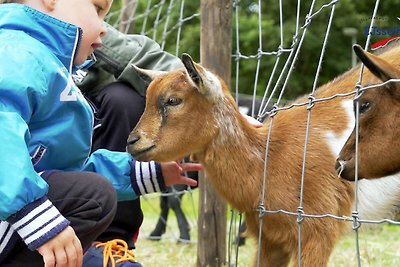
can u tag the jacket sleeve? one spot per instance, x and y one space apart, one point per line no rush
129 177
23 201
116 56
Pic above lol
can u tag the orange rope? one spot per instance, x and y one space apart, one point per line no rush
116 251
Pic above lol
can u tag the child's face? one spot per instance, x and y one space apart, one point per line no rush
89 16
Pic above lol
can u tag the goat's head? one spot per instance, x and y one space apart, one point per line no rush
379 111
178 119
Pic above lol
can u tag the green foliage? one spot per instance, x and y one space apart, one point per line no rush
337 58
338 54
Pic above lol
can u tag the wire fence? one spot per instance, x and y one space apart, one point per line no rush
276 88
166 22
163 21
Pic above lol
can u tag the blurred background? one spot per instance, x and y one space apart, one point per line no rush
160 20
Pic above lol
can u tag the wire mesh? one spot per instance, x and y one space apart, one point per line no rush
275 61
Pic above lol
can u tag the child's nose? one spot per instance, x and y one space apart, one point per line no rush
103 31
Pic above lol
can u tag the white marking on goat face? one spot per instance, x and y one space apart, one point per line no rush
214 85
211 86
337 141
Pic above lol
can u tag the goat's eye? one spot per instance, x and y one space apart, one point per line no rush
364 107
172 101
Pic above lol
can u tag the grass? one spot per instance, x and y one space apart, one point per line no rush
379 245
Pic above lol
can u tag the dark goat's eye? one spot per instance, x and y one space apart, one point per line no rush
172 101
364 107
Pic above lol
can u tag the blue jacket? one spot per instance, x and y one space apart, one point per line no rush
46 124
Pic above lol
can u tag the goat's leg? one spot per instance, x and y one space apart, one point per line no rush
316 251
184 228
272 255
161 225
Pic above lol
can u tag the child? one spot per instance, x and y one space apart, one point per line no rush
53 198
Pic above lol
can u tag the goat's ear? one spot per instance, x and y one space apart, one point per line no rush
191 69
378 66
207 83
147 76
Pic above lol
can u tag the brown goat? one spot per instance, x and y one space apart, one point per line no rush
379 129
191 111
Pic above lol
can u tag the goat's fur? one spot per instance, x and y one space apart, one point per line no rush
233 153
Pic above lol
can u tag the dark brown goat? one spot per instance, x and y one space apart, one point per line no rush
379 128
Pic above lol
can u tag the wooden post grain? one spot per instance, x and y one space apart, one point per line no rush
215 54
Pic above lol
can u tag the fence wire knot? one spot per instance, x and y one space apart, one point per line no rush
307 21
300 212
259 53
356 224
261 210
273 111
359 91
294 41
311 102
180 22
280 51
237 56
235 4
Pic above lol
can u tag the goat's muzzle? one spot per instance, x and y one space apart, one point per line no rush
139 150
132 139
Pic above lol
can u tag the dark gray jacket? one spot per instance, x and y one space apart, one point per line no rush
116 56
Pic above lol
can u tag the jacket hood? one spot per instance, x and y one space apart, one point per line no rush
60 37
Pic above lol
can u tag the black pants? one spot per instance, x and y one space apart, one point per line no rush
86 199
119 108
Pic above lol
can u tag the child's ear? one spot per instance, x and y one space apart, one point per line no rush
49 4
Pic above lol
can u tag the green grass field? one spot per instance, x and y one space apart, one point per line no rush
379 245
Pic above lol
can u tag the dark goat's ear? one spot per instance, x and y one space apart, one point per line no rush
191 69
378 66
147 76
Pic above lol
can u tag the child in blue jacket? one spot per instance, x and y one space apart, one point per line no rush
55 199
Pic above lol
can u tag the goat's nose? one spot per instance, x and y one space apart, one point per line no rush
133 139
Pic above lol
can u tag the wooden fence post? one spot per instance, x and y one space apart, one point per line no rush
215 54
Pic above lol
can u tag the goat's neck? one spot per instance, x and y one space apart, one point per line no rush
234 159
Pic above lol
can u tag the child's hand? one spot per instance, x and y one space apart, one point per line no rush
253 121
172 172
64 249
